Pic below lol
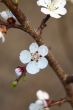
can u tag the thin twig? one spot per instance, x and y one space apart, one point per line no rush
8 26
57 102
43 24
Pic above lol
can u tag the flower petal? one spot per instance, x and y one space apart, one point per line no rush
42 63
2 37
7 14
45 11
60 3
43 50
48 2
43 3
39 102
46 95
55 15
33 47
42 95
25 56
61 11
32 67
39 95
36 106
4 15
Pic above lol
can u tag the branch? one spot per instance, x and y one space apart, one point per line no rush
52 61
43 24
8 26
58 102
69 79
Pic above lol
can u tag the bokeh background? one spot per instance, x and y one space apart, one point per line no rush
58 35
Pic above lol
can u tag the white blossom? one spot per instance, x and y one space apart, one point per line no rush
7 14
54 8
2 37
40 103
34 58
42 96
36 106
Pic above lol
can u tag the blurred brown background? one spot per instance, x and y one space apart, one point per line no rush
59 36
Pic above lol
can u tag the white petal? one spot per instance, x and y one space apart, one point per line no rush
39 95
46 95
25 56
4 15
42 102
7 14
32 67
48 2
33 47
43 3
35 106
42 63
45 11
55 15
39 102
2 37
43 50
61 11
18 72
42 95
60 3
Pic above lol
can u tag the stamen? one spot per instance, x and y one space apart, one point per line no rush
35 56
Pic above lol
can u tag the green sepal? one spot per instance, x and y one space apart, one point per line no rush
14 84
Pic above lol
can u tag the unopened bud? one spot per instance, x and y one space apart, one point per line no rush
20 70
11 20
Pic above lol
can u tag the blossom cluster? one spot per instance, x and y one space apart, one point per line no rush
54 8
41 102
35 58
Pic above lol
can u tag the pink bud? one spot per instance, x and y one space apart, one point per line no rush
20 70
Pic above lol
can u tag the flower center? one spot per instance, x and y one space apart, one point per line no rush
35 56
51 7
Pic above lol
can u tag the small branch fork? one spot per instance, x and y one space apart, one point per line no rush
8 26
26 26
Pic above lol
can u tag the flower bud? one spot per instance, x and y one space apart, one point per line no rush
11 20
20 70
